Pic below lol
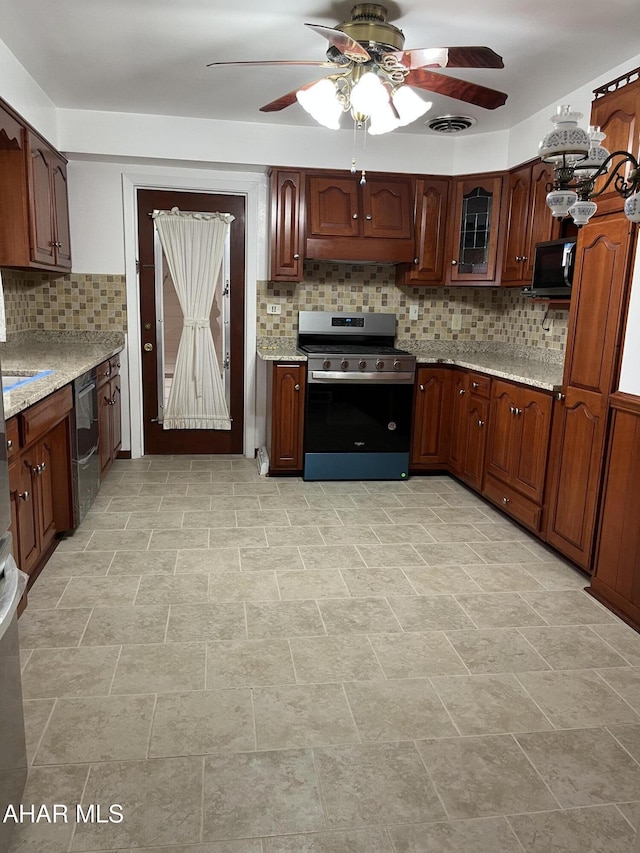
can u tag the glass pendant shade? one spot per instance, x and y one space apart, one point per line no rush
632 207
321 103
383 120
567 142
409 105
596 155
582 211
559 202
368 94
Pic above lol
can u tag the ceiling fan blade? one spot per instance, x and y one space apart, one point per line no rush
461 90
285 100
342 42
455 57
275 62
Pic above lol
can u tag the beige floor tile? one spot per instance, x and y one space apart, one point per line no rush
201 722
261 559
338 488
406 709
354 841
496 650
576 698
319 659
484 776
330 557
376 581
583 767
401 533
383 556
161 799
167 668
503 552
190 503
629 737
283 619
357 517
321 583
143 563
61 785
441 532
437 580
375 784
310 517
499 610
243 586
249 663
67 564
503 578
429 613
631 812
574 831
191 477
119 540
302 715
348 535
423 499
111 626
47 629
251 489
557 575
141 503
201 622
458 515
69 672
119 489
216 519
201 560
447 554
165 540
77 541
86 592
246 537
263 793
162 520
172 589
489 704
568 607
572 647
416 655
170 490
381 500
622 638
626 683
501 531
36 717
412 515
105 728
489 835
295 535
104 521
229 502
358 616
338 501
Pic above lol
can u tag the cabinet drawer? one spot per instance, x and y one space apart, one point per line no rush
38 419
480 384
13 439
103 372
524 511
114 365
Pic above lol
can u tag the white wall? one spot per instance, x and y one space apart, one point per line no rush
23 93
630 373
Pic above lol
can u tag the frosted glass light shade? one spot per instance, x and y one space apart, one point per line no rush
368 94
383 120
582 211
559 202
409 105
596 155
567 141
632 207
321 103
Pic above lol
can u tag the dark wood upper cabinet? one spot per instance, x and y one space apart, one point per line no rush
474 233
335 209
526 220
287 224
431 198
34 208
387 208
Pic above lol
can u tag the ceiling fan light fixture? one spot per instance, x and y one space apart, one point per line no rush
321 103
369 94
409 105
383 120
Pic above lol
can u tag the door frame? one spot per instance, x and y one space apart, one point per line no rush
253 186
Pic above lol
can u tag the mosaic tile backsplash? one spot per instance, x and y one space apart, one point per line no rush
35 300
486 313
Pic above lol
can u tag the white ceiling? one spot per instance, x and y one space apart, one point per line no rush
150 56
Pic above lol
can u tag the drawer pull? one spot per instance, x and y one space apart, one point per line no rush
368 216
475 385
505 501
480 423
24 496
296 387
461 391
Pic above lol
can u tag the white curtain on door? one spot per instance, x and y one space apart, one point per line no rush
193 244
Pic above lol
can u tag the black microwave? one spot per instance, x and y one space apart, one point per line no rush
553 264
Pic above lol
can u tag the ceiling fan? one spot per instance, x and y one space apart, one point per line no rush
369 43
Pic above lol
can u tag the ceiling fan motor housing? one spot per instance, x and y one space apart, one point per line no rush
370 28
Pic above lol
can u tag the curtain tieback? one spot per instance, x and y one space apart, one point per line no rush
196 322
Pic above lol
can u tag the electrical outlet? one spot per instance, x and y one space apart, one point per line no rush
414 312
456 322
273 308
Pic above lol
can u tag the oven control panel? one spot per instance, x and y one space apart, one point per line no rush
348 321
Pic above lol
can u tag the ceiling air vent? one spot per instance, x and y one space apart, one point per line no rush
450 124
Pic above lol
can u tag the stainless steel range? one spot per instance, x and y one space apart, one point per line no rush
359 397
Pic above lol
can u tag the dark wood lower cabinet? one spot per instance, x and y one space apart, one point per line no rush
431 418
469 416
286 383
109 413
616 577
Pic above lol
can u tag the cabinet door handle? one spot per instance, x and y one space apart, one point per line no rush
560 396
355 216
480 423
524 259
517 411
462 391
512 409
416 261
9 444
296 387
368 216
475 385
454 263
422 387
296 257
505 501
24 496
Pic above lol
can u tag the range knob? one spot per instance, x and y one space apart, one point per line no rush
362 364
379 364
397 365
344 364
326 364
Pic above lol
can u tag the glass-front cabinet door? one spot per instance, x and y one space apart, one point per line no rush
473 239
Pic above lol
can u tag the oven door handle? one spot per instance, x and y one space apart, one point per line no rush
402 377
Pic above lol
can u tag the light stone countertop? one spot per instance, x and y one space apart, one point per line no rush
539 368
67 354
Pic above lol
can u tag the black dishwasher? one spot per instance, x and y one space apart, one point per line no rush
86 464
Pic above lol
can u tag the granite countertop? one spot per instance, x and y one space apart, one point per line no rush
540 368
67 354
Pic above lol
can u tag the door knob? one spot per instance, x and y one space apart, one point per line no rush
148 347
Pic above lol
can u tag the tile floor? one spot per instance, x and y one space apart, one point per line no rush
273 666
